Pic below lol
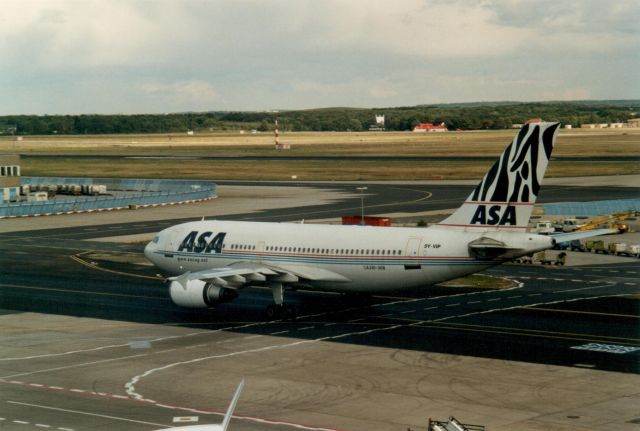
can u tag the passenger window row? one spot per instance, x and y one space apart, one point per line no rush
343 251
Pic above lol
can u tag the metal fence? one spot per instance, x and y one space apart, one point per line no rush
619 206
148 192
134 184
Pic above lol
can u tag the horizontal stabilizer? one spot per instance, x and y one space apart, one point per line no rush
570 236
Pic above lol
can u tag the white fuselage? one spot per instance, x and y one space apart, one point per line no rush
369 258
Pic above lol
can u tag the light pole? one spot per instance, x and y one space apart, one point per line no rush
362 189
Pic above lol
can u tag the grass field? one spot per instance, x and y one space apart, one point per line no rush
584 143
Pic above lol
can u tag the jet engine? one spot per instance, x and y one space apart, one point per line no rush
199 294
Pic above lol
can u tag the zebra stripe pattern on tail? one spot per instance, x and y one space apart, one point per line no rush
517 175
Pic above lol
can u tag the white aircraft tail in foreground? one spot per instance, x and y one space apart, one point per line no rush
214 427
212 260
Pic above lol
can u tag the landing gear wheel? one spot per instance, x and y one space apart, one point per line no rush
273 311
290 311
282 311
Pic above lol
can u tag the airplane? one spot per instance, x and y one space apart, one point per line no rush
212 260
213 427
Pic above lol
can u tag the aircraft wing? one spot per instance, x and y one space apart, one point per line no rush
570 236
240 273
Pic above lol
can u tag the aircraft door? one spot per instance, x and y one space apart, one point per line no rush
413 247
259 250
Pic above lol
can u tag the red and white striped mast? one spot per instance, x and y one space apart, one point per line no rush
275 132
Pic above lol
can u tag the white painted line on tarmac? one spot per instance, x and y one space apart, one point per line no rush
284 332
493 299
306 328
452 305
584 288
515 296
474 302
430 308
84 364
40 406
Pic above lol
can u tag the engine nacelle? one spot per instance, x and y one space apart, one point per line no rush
200 294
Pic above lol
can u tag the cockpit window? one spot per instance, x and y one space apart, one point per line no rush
156 239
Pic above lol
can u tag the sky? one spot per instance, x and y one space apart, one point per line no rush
159 56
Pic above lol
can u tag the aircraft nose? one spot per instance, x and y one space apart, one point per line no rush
150 249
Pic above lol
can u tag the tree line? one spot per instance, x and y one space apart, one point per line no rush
469 116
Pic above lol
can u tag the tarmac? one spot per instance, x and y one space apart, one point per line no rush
98 345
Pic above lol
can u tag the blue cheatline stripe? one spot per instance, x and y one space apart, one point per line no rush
337 260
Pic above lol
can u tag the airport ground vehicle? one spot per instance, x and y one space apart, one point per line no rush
596 246
619 248
544 227
542 258
571 224
573 245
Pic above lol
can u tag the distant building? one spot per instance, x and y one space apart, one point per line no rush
635 122
379 126
516 126
8 129
429 127
568 126
616 125
588 126
9 177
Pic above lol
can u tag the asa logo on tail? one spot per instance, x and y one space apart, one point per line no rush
495 215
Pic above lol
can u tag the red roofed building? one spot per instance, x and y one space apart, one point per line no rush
428 127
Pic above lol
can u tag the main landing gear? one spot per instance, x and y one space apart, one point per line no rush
279 310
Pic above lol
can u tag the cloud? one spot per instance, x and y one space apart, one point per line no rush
163 55
196 92
91 33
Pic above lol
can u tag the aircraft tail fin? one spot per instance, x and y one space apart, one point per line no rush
232 406
505 197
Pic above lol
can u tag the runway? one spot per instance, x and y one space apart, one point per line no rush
91 340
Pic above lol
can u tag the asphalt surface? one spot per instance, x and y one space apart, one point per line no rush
580 317
28 260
